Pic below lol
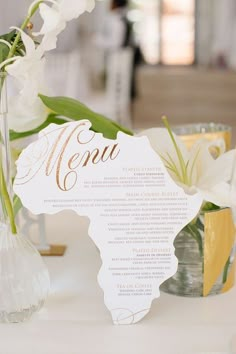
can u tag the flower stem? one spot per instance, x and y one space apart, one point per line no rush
179 154
8 210
7 201
34 7
3 186
18 36
23 26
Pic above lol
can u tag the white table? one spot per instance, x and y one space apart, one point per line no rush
75 319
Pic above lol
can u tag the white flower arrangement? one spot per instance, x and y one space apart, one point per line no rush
25 59
197 170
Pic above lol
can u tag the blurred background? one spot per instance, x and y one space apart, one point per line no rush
139 59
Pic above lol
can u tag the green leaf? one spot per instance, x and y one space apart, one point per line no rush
52 118
199 224
9 37
208 206
196 235
4 50
75 110
226 270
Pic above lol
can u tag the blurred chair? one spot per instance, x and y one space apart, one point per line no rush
66 76
115 102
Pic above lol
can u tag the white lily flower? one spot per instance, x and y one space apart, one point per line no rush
56 17
26 111
199 171
72 9
25 115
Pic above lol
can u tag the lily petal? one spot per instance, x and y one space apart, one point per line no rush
56 17
161 142
49 40
220 170
199 161
27 40
51 18
219 194
72 9
90 5
24 116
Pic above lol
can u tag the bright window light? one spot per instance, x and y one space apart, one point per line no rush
165 30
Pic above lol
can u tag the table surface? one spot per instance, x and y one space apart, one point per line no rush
75 319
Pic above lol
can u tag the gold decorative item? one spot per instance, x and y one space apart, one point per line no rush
54 251
219 258
205 251
190 133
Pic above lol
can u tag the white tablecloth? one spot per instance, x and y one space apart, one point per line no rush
75 319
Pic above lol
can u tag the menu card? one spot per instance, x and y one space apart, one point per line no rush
135 208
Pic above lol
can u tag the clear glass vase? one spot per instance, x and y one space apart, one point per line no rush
206 254
24 279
